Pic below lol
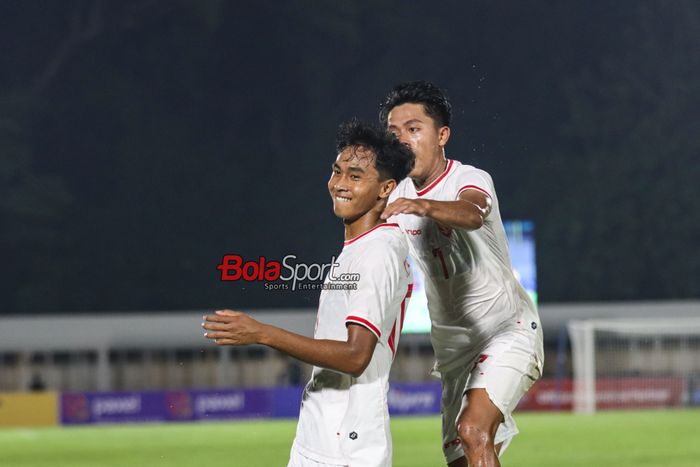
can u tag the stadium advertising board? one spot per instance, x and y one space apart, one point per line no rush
284 402
694 390
116 407
28 409
162 406
611 393
111 407
414 399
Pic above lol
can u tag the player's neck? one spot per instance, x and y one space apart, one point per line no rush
435 172
362 224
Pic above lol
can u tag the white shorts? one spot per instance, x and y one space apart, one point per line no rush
300 457
507 366
297 459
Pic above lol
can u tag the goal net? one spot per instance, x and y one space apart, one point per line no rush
635 363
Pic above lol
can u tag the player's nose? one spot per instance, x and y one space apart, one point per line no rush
337 187
340 184
335 184
404 139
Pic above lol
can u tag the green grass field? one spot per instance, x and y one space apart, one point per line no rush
615 439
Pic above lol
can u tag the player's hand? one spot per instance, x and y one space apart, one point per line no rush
418 207
227 327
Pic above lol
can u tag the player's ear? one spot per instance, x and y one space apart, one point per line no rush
386 188
443 135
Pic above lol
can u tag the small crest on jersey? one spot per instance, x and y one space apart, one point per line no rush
353 435
482 358
445 230
533 325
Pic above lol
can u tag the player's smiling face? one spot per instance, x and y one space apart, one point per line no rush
415 128
355 185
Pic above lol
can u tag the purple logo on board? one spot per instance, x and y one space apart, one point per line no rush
179 405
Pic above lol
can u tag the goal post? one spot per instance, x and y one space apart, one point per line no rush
635 363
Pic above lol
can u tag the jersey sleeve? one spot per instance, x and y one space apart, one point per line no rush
379 266
470 178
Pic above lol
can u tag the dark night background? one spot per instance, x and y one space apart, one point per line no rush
142 140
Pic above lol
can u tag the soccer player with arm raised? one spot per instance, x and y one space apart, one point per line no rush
485 329
344 418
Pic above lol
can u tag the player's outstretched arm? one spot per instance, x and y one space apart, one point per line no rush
228 327
468 212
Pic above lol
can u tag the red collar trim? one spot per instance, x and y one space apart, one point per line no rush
437 180
348 242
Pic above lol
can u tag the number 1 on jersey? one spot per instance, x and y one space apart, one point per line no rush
437 253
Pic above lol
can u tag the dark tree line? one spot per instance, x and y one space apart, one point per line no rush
140 141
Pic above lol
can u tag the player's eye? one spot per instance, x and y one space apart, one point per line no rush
413 129
354 177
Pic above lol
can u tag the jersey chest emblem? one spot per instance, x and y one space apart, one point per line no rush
443 229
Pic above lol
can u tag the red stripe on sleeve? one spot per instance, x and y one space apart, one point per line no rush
472 187
365 323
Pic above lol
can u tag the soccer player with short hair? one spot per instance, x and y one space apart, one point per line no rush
485 331
344 418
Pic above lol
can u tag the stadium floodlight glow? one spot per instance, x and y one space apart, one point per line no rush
635 363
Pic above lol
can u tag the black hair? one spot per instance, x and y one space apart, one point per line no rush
434 100
393 160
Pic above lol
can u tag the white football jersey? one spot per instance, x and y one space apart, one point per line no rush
472 291
345 420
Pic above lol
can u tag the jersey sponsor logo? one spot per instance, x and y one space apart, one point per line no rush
414 231
234 267
353 435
